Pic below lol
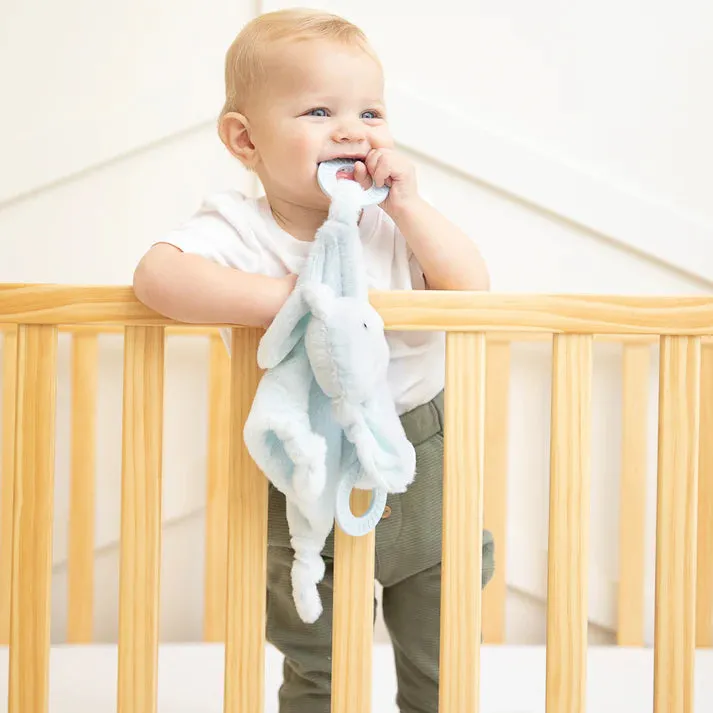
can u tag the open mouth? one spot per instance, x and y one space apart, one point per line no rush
347 171
345 158
330 171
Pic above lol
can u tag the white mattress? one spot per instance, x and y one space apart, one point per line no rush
83 678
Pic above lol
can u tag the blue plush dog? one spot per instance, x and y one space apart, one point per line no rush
322 421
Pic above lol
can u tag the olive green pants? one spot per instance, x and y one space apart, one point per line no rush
407 565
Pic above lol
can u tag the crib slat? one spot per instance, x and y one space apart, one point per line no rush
216 542
80 569
635 396
704 594
353 617
568 559
676 515
7 476
461 605
247 542
497 390
32 518
140 559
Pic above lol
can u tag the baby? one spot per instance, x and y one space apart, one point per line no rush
304 87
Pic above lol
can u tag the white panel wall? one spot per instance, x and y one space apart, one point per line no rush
571 141
613 87
94 226
85 82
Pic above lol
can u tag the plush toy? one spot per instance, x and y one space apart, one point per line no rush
322 421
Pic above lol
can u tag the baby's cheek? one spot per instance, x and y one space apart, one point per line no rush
304 144
382 138
289 140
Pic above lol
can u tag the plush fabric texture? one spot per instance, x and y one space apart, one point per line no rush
323 421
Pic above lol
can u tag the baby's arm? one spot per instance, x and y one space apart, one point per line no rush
449 259
193 289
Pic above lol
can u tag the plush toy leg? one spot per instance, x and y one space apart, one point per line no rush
308 566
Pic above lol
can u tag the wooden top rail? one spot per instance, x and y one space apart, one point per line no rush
200 330
180 330
401 310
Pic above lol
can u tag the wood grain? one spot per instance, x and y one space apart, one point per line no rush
217 487
353 616
704 592
140 546
453 311
568 559
464 466
199 330
247 543
676 517
7 482
33 508
571 314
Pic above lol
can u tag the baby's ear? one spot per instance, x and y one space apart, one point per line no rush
320 299
234 130
286 330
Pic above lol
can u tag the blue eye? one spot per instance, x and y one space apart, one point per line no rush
314 112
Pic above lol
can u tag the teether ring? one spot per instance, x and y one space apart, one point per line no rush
327 179
347 520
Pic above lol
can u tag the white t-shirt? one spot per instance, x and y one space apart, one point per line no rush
240 232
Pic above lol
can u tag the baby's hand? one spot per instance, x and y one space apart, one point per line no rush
390 168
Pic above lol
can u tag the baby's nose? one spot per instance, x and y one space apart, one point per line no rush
352 132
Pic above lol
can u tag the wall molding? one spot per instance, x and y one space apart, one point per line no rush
548 184
636 223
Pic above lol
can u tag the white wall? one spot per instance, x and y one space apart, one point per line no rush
570 140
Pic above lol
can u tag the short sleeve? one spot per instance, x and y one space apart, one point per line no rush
222 231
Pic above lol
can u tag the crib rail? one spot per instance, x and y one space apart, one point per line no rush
478 328
418 310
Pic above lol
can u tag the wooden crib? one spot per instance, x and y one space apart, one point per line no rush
480 329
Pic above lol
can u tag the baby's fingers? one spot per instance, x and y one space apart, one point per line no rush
361 175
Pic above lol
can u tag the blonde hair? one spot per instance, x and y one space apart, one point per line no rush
243 61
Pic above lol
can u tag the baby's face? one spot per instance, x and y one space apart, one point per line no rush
323 101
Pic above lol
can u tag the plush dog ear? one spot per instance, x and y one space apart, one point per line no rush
319 298
290 323
286 330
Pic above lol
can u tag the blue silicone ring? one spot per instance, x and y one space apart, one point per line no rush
348 521
327 179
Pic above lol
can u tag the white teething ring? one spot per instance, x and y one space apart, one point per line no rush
327 179
347 520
